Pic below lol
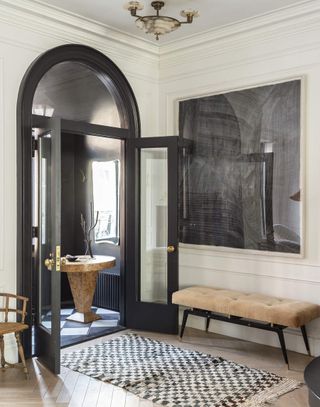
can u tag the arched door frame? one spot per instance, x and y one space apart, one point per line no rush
120 88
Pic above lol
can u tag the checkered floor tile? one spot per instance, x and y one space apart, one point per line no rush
73 332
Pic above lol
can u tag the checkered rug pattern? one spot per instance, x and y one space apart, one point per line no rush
171 376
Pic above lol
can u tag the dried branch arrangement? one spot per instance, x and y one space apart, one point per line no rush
88 229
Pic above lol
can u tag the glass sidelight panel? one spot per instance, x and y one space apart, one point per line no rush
45 231
154 225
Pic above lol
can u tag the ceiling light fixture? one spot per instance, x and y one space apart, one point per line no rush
156 24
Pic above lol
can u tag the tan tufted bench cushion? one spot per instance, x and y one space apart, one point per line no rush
291 313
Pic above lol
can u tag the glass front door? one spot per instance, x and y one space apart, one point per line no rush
151 235
153 242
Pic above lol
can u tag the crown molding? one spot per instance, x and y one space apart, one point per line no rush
65 27
216 60
23 12
275 20
298 28
49 19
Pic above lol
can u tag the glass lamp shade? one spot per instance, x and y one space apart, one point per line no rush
133 5
157 25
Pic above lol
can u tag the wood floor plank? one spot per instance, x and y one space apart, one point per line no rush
132 400
41 403
45 384
92 394
80 390
72 389
67 388
118 397
105 395
146 403
54 388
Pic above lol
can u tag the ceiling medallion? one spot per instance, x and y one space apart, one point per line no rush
156 24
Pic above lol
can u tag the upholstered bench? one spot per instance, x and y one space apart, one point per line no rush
254 310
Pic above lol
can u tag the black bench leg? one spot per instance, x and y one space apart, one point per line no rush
184 322
283 345
305 338
207 324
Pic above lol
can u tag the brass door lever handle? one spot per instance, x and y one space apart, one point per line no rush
49 263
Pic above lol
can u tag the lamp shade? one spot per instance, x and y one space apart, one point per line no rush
157 24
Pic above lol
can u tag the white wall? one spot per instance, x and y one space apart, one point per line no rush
25 34
275 47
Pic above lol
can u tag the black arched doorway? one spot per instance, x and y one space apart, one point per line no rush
88 94
148 210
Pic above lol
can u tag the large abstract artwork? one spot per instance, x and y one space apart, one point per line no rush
240 169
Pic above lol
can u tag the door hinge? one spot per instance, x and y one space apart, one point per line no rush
35 231
34 146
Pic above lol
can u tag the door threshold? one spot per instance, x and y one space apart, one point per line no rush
66 342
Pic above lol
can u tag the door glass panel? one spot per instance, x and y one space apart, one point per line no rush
45 234
154 225
71 90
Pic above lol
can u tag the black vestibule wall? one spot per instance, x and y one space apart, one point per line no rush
78 152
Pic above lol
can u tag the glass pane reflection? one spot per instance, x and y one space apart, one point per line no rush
154 224
72 91
45 229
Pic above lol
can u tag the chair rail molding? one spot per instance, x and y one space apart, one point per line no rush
258 266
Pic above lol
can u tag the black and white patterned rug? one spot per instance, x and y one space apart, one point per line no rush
171 376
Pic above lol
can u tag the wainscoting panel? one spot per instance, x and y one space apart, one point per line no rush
268 49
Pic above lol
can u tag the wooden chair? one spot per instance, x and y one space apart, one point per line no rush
7 327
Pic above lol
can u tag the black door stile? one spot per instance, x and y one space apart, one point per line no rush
47 318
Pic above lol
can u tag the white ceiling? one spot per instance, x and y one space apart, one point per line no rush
213 13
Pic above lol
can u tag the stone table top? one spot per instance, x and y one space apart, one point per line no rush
85 264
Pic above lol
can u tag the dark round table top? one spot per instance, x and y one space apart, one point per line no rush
312 377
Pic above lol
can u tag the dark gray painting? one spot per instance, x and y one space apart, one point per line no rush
240 169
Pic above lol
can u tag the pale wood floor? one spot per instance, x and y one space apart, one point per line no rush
74 389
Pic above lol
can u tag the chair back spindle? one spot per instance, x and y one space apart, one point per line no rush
18 307
20 312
